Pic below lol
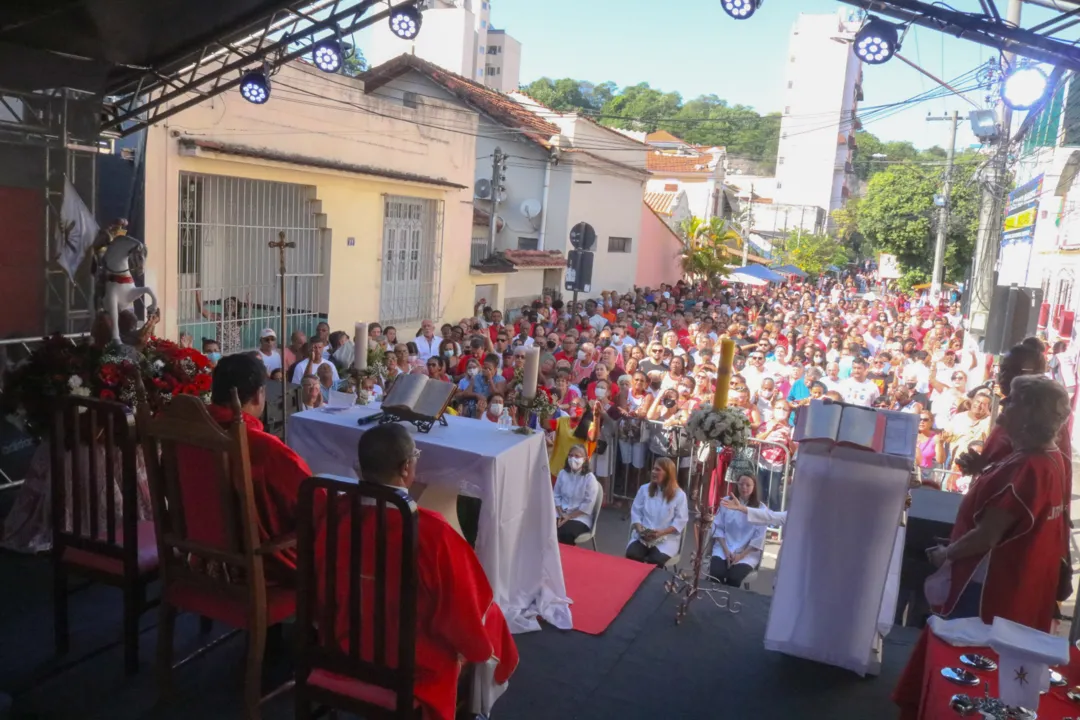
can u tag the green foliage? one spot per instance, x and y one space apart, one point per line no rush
811 253
703 256
706 120
915 276
897 215
355 62
867 145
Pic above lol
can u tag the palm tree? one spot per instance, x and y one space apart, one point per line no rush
702 254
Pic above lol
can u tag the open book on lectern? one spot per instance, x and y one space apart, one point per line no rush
882 431
418 396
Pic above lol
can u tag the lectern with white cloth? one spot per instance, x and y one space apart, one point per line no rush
838 575
516 542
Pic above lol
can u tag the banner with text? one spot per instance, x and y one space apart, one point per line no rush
1018 235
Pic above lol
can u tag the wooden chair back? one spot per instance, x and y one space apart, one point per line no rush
94 450
201 491
356 604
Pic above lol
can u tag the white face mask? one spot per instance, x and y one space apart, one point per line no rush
581 355
473 371
779 415
576 463
601 393
496 408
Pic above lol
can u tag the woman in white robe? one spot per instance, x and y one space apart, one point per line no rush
737 543
658 517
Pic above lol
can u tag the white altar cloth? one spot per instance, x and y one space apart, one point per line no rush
516 542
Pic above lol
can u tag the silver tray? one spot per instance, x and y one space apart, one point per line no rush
960 676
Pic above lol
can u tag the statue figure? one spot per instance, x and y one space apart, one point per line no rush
123 256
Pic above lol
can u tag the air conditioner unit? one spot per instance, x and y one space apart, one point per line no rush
482 189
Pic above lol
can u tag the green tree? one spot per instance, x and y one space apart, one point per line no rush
811 253
704 256
565 95
355 62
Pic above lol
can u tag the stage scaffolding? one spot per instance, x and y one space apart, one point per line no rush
46 137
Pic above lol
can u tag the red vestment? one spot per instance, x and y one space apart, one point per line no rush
456 615
1022 569
276 475
998 446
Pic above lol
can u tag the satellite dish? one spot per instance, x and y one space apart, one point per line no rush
531 210
482 189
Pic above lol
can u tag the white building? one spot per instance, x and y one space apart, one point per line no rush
455 35
817 131
503 71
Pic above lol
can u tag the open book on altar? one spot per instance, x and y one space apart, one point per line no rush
418 396
882 431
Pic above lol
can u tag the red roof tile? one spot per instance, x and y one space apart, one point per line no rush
667 162
662 136
661 202
536 258
490 102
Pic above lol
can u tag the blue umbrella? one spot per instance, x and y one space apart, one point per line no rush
790 270
762 273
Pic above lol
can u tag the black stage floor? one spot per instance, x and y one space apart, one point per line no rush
713 665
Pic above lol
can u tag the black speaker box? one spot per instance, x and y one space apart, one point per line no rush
1014 315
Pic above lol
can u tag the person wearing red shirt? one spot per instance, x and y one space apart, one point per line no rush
1005 551
569 350
276 471
457 619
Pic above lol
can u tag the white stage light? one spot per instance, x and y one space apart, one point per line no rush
740 9
255 87
1023 87
877 41
327 55
405 22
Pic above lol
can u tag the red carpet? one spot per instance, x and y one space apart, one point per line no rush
599 585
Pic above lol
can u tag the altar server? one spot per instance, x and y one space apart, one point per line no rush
1004 555
576 489
457 619
658 517
737 543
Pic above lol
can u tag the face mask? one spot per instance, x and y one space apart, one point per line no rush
669 402
581 355
576 463
496 408
214 357
448 353
779 415
601 393
412 358
473 372
766 393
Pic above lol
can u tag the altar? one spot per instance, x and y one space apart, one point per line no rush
516 541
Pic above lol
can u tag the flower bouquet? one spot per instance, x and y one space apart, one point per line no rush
376 367
728 427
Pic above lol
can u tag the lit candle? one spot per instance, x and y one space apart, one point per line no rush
532 371
723 373
360 340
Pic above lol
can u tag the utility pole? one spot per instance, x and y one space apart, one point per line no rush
748 228
988 241
498 178
943 218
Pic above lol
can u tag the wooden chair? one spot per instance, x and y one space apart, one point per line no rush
201 491
94 451
356 655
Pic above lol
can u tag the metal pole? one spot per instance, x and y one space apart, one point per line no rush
988 241
749 225
943 220
280 246
496 170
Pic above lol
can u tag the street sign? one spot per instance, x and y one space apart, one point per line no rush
583 236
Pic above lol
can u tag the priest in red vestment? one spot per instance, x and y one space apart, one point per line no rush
457 620
1004 554
276 471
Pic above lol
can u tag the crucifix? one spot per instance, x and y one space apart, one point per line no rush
281 245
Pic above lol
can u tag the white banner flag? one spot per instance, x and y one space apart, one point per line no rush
77 231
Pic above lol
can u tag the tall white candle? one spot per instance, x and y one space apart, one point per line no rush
360 340
532 370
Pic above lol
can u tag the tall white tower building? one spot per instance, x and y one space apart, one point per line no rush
456 35
817 131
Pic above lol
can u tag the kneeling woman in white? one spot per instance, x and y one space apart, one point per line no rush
737 543
576 490
658 517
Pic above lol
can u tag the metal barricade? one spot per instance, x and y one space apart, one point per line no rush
638 439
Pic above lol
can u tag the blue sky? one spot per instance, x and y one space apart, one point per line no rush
692 47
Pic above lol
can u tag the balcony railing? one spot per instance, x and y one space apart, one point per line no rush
479 252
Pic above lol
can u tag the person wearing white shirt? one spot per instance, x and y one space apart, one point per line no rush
754 372
620 340
576 490
658 517
315 355
268 352
426 342
857 390
832 381
737 543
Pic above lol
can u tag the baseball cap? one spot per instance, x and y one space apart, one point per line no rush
268 333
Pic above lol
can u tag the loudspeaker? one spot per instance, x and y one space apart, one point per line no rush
579 271
1014 315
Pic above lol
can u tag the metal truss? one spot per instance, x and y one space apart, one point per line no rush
218 66
1041 42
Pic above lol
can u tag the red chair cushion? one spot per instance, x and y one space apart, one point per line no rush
233 611
355 689
147 557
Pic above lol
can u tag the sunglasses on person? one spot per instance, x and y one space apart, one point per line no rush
924 419
755 356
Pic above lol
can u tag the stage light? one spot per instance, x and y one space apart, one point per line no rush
984 125
1023 87
328 55
877 41
255 86
740 9
405 22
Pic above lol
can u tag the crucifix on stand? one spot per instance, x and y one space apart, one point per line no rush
281 245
